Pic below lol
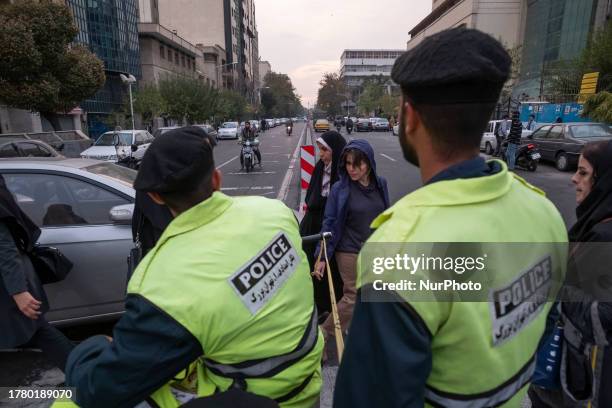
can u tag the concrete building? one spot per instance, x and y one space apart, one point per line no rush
357 65
229 24
210 64
264 69
502 19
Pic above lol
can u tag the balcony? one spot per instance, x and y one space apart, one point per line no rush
166 36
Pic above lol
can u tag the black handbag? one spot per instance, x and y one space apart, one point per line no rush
50 264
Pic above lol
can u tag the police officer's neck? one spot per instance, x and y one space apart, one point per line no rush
432 163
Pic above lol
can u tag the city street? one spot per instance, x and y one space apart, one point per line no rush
279 178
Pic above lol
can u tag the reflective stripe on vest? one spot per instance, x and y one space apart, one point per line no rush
491 398
269 367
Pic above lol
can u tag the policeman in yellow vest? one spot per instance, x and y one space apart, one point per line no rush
413 351
222 298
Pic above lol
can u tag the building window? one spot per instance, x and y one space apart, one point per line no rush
183 61
176 58
162 52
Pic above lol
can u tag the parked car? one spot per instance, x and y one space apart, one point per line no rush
277 122
363 125
70 143
26 148
562 143
381 124
488 143
321 125
396 129
160 131
84 208
210 131
270 123
115 145
229 130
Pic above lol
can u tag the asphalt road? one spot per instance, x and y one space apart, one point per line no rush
278 178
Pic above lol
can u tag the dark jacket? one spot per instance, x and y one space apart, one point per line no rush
589 287
17 236
336 206
516 130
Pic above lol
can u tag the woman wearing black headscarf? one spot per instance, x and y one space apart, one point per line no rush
586 298
23 302
325 174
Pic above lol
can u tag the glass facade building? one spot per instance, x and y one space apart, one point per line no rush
110 29
554 30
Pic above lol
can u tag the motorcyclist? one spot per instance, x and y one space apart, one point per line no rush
248 133
264 125
349 125
338 124
289 126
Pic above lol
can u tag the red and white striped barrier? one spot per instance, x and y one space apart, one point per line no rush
307 165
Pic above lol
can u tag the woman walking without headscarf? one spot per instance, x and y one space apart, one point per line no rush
325 174
586 301
23 302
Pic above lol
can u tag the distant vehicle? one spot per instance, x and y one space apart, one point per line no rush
381 124
270 123
562 143
396 129
229 130
363 125
160 131
488 143
26 148
277 122
84 208
321 125
115 145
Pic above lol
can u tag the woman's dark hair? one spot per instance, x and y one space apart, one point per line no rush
358 157
594 153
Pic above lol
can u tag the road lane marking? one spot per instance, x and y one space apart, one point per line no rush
253 172
284 190
388 157
227 162
247 188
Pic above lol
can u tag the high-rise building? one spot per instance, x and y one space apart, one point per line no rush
556 30
110 29
225 23
264 69
358 65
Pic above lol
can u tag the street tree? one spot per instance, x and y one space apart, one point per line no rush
331 94
599 107
231 106
279 98
188 100
149 103
370 100
42 69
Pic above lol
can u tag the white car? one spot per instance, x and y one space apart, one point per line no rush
229 130
112 146
381 124
271 123
488 143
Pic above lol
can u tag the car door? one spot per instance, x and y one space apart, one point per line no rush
73 214
486 137
540 137
142 143
555 140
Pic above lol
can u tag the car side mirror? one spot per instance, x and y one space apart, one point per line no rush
134 148
122 214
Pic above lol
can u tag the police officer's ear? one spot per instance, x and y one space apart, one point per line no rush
412 119
217 180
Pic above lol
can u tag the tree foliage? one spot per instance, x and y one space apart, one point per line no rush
599 107
149 103
188 99
231 106
278 98
331 94
41 69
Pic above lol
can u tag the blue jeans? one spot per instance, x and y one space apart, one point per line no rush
511 155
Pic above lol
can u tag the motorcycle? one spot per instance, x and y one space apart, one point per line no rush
248 154
349 129
338 127
127 160
289 130
527 156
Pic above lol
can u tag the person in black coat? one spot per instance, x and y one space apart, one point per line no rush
325 174
23 302
586 298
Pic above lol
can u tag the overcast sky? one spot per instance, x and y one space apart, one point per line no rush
305 38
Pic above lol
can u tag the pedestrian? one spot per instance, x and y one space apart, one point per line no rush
413 350
358 197
501 133
264 125
514 140
22 297
531 123
586 300
559 119
325 174
216 290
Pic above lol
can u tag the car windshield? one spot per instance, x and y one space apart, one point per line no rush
112 171
581 131
229 125
108 139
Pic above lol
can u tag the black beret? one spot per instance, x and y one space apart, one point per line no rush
459 65
176 161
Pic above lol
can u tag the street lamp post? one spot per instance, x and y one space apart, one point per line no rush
130 79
